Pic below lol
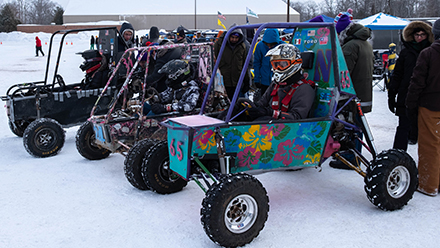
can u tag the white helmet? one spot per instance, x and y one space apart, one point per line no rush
286 60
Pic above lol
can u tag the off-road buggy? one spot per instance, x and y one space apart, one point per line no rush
120 129
38 111
219 155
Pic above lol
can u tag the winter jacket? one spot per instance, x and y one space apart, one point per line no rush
359 57
403 69
300 104
121 42
182 100
424 87
262 68
233 58
154 35
37 42
156 79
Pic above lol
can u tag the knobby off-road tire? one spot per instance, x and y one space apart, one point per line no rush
235 210
85 143
391 180
157 173
133 163
43 138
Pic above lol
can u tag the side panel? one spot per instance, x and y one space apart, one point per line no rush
268 146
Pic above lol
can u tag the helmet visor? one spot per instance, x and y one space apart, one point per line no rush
283 64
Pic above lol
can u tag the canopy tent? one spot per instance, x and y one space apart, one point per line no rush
381 21
326 19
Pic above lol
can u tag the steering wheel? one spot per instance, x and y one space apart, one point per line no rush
60 81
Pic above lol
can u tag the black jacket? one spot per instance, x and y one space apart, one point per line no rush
405 64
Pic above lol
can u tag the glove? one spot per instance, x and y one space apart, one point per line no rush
392 101
158 108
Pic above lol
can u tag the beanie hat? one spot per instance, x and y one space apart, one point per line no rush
317 19
436 29
342 23
181 31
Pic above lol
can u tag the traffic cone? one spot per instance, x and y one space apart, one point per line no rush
71 43
67 43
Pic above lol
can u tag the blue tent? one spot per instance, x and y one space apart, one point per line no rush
381 21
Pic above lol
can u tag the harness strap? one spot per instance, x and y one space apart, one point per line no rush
286 100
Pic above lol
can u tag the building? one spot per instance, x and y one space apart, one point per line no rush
170 14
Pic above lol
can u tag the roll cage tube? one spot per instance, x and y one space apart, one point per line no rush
248 57
61 48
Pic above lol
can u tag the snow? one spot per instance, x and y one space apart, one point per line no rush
68 201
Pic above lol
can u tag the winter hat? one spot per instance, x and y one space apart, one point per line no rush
349 12
317 19
342 23
436 29
181 31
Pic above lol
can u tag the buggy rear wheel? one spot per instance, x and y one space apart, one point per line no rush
85 143
157 173
133 163
235 210
391 180
43 138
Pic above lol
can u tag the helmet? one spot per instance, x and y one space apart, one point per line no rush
176 70
286 60
92 58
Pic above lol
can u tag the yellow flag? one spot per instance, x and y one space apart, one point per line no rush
220 23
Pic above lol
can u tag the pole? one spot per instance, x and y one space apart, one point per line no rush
288 10
195 14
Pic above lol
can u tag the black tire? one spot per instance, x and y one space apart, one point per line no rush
43 138
391 180
133 163
156 172
17 129
235 210
85 143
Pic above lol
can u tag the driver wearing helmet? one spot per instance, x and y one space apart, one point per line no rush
290 96
182 92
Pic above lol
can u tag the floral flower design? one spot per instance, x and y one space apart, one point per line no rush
312 159
205 139
232 140
248 157
258 138
323 32
288 151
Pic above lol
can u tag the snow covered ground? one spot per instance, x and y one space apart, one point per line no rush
68 201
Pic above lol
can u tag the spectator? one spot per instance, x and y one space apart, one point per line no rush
181 36
359 57
262 68
424 97
136 40
417 36
232 61
170 36
38 46
92 43
125 41
154 35
127 37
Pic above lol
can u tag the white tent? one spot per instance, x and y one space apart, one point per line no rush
381 21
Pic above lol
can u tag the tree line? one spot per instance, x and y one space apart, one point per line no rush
42 12
365 8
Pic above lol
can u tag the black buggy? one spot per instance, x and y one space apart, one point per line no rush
38 111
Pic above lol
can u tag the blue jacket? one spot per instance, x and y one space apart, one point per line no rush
262 67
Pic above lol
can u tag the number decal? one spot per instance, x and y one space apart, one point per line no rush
179 152
99 134
172 150
345 79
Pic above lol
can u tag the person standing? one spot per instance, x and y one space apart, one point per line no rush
359 56
38 46
417 35
232 61
181 36
424 97
92 43
262 68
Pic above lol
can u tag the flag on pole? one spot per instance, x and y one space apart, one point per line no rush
220 23
249 12
219 14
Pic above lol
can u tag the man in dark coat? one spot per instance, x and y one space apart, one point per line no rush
424 97
417 35
359 57
232 61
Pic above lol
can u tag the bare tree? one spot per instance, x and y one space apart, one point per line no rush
42 11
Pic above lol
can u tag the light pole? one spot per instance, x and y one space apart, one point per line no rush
288 10
195 14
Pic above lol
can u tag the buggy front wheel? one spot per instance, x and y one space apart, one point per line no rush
85 143
133 163
391 180
43 138
234 210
